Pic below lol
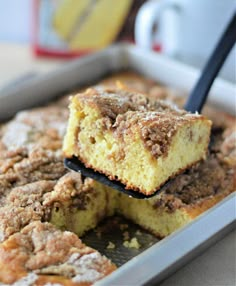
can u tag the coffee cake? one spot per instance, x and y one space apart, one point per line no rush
42 203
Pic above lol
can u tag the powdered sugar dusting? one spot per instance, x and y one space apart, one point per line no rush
88 259
26 281
73 258
16 135
90 275
85 271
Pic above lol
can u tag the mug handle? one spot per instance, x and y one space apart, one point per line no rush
147 16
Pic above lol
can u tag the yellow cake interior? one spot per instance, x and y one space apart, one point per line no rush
160 221
81 219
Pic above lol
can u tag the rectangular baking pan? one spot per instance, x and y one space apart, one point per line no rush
167 255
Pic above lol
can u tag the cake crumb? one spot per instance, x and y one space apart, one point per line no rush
138 232
133 243
126 235
111 245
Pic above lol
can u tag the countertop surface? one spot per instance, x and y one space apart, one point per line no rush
215 266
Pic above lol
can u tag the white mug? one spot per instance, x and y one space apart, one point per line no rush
186 29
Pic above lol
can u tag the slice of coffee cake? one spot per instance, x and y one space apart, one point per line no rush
136 140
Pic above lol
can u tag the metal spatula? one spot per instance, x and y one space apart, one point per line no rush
194 103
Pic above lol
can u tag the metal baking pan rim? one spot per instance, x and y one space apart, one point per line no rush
92 68
87 70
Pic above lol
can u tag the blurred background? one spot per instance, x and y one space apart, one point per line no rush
38 35
15 21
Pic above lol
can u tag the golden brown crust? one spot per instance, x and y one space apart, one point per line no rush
41 249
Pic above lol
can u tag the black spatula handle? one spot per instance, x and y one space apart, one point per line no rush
199 94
